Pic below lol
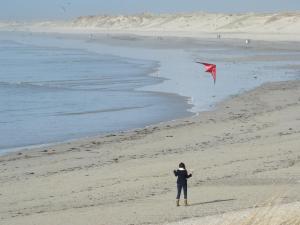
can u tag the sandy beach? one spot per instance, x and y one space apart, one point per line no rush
243 153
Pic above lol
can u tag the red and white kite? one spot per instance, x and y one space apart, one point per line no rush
210 68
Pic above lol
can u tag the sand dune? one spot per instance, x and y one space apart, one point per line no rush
278 26
205 22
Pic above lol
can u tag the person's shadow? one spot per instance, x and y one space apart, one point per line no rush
214 201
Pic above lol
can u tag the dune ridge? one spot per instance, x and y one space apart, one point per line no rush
283 24
206 22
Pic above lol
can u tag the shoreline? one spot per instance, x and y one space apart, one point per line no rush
150 42
132 132
23 149
177 102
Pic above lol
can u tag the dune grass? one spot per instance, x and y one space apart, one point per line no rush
271 213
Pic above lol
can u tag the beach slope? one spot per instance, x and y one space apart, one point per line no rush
243 153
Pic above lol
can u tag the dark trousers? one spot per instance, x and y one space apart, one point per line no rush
179 188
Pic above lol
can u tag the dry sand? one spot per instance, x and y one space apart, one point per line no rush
243 153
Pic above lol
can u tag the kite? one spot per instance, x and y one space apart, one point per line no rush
210 68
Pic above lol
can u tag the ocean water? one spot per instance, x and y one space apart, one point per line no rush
59 87
53 94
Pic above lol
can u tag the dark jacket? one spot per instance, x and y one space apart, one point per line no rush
182 176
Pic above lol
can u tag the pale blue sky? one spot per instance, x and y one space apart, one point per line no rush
63 9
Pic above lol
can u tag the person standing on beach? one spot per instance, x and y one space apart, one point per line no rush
182 176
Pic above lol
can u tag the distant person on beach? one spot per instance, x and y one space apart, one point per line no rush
182 176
